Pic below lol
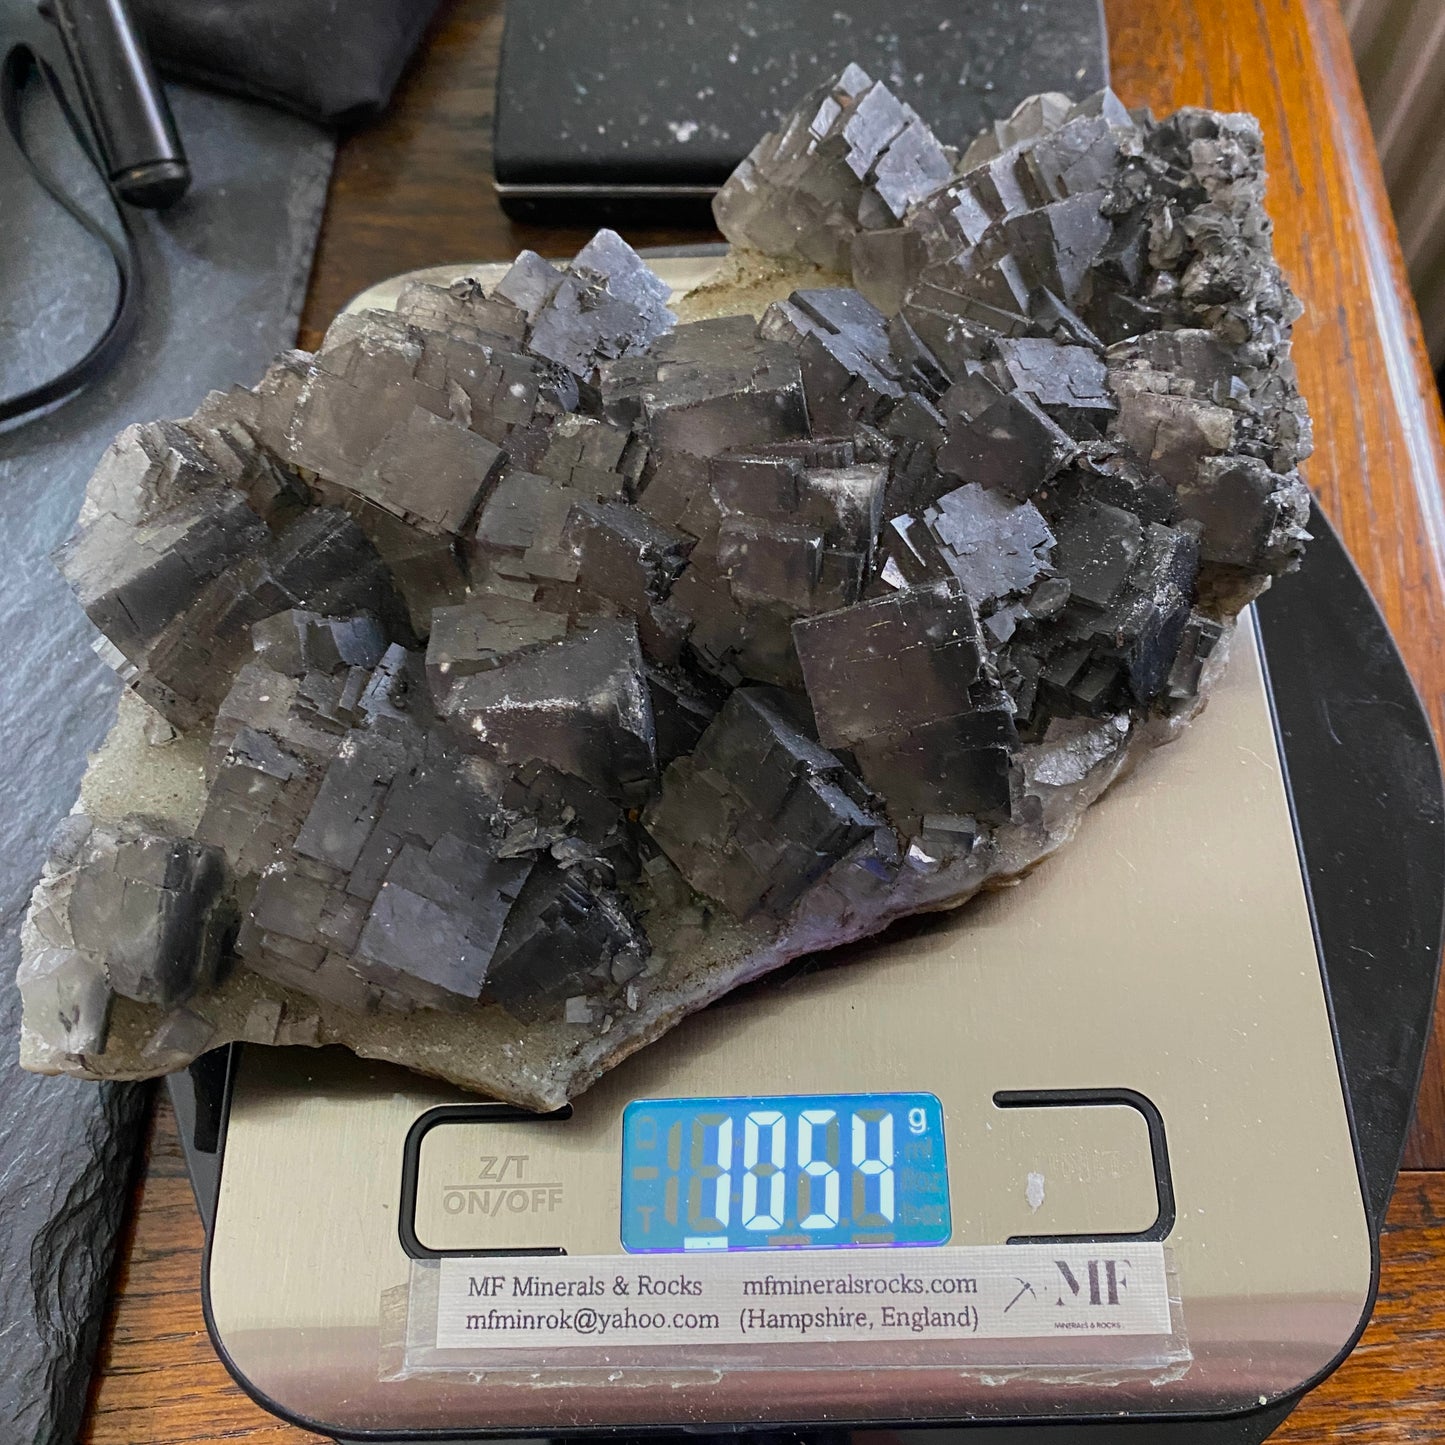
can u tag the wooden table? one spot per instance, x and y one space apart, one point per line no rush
415 191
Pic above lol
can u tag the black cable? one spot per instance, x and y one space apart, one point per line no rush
113 339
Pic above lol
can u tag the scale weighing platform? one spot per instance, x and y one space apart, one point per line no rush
1103 1153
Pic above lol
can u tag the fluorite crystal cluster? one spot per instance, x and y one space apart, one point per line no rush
561 665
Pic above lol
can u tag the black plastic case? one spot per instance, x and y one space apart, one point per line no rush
627 107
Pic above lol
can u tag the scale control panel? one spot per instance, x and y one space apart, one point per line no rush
785 1171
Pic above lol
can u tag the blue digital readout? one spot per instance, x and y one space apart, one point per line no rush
791 1171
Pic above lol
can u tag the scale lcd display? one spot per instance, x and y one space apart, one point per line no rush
789 1171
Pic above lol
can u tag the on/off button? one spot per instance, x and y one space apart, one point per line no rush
482 1179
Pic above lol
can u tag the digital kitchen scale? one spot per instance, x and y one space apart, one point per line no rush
1080 1155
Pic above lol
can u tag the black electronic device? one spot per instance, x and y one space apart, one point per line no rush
92 58
632 108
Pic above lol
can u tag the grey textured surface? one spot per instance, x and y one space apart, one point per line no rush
227 269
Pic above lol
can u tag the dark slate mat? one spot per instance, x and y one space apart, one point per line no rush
227 271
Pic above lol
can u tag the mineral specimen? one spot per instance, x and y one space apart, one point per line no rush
553 666
758 810
849 160
121 912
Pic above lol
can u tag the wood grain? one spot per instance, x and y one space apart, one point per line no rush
414 191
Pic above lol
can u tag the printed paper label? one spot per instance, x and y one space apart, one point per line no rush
804 1296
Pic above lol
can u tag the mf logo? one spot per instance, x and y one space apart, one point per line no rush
1102 1280
502 1187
